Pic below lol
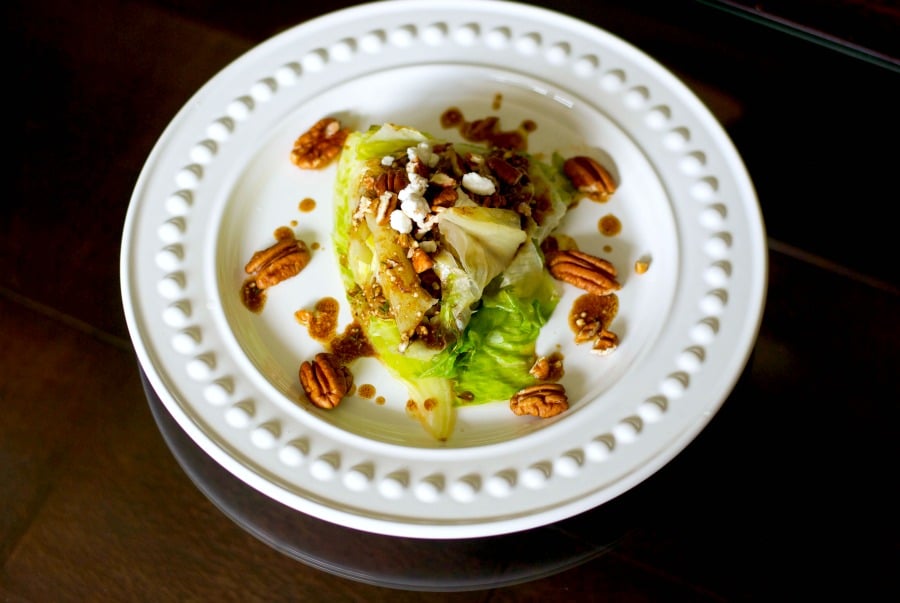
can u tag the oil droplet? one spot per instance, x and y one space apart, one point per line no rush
307 205
252 296
283 232
609 225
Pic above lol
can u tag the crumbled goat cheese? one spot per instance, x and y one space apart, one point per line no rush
416 187
422 152
362 208
416 209
387 161
478 184
412 197
401 222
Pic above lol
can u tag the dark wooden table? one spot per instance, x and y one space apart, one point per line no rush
789 490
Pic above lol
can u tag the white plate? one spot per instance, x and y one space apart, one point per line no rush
219 183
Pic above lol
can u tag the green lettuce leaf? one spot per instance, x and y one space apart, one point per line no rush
492 360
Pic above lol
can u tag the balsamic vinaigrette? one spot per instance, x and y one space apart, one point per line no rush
321 324
366 390
609 225
351 344
589 307
253 298
283 232
487 130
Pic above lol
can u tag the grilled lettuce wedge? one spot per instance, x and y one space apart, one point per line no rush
439 250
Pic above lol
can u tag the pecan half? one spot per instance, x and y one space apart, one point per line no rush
606 342
394 180
542 400
281 261
548 368
325 380
589 177
594 275
588 328
319 145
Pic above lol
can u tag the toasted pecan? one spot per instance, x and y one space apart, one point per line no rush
591 273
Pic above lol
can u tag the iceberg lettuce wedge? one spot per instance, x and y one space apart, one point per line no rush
439 249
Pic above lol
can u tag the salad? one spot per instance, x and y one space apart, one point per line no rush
440 250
